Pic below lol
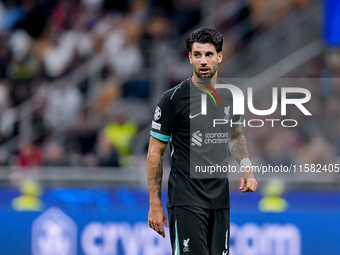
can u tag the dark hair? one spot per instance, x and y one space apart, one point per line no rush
205 35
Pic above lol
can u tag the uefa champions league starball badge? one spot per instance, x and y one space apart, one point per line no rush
158 113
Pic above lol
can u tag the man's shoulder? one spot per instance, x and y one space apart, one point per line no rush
222 81
225 93
179 90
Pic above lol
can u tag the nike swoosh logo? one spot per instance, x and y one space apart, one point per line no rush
193 116
225 253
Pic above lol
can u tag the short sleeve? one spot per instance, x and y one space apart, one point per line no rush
163 119
236 119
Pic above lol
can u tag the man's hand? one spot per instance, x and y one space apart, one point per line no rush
248 182
157 215
157 218
239 149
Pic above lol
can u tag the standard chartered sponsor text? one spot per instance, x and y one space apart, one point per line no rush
213 138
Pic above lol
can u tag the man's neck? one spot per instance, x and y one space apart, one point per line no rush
202 82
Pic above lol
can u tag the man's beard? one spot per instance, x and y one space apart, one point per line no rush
207 76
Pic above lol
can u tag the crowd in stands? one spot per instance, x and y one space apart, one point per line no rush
43 41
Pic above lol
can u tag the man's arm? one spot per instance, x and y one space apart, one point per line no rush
157 215
239 149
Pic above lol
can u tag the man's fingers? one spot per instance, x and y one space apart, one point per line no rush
151 225
158 227
251 186
161 230
165 223
156 219
246 189
255 188
241 183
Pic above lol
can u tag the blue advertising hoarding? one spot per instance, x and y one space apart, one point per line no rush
332 22
311 225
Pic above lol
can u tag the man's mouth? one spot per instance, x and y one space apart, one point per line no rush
204 70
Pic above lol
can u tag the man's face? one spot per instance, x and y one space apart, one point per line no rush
204 58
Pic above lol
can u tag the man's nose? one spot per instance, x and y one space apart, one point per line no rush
203 60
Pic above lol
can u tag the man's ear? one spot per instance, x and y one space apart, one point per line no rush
190 57
219 57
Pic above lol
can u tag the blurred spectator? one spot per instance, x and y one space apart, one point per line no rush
85 136
110 30
77 39
187 14
13 13
29 156
20 44
35 19
121 133
159 30
64 12
3 95
22 68
106 153
7 113
4 156
7 121
62 107
275 146
267 12
54 155
93 4
138 12
58 56
2 10
318 151
137 88
121 6
330 120
90 160
39 98
244 18
5 56
128 61
106 95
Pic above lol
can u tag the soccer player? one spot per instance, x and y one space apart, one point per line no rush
198 202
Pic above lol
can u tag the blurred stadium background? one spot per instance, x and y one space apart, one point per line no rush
79 81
